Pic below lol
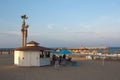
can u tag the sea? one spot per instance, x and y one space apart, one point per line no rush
111 50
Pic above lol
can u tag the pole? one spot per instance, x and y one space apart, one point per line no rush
24 30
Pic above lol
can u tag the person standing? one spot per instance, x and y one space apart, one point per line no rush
64 56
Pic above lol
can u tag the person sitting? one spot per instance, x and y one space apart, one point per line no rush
53 59
69 59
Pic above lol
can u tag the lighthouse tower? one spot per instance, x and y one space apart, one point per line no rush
24 30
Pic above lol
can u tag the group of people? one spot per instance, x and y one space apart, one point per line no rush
60 60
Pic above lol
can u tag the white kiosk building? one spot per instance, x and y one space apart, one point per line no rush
32 55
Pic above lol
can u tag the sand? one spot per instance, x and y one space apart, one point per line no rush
86 70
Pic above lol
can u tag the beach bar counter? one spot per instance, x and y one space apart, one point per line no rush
32 55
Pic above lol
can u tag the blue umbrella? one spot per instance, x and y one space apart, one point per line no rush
64 51
53 52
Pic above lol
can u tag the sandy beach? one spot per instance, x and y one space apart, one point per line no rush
86 70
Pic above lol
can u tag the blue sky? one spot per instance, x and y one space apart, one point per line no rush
61 23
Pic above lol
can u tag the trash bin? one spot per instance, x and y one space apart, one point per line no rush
74 64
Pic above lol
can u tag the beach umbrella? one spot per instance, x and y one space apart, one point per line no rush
64 51
53 52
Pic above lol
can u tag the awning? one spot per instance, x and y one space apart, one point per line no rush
63 51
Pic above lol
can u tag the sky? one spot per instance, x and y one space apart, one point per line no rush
61 23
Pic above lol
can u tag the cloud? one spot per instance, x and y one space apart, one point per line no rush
81 32
9 33
51 26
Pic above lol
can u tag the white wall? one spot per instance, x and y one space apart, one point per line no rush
34 57
29 58
16 55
